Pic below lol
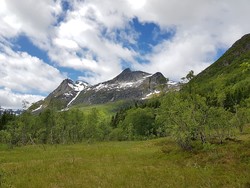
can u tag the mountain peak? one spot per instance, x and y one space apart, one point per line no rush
129 76
128 85
67 80
244 43
127 70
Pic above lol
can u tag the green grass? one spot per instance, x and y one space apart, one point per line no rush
107 109
154 163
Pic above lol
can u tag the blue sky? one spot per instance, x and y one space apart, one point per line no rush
44 42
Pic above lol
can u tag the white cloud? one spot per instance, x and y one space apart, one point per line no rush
137 4
34 18
9 99
20 72
66 43
177 57
202 27
80 42
25 73
112 14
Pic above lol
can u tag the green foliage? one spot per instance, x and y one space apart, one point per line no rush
225 83
190 75
241 117
120 134
184 118
5 136
141 120
188 118
51 127
5 118
213 103
219 124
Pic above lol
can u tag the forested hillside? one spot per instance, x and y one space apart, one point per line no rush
226 83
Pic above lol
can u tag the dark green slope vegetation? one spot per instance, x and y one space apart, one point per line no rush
226 82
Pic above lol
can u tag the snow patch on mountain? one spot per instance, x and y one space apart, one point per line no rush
147 76
74 98
78 85
170 82
40 107
68 94
130 84
150 94
117 85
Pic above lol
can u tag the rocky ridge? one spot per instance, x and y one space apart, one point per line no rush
128 85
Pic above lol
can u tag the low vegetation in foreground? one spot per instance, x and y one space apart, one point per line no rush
153 163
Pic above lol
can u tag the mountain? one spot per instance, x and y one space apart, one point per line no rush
10 111
227 81
61 96
128 85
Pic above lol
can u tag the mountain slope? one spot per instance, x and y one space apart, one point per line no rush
128 85
227 81
61 96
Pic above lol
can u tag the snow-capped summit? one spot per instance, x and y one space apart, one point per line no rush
128 85
79 85
62 96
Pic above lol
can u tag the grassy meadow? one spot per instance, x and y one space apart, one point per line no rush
152 163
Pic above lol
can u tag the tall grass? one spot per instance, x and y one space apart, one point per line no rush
154 163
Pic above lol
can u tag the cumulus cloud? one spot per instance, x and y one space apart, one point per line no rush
21 74
80 41
202 27
10 99
24 73
177 57
32 18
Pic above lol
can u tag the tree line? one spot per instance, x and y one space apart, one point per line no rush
187 118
